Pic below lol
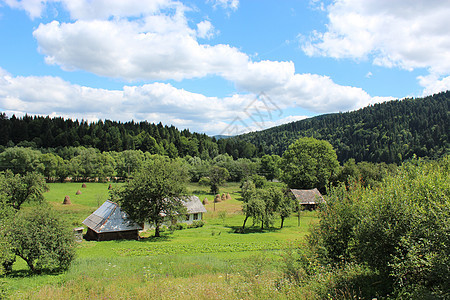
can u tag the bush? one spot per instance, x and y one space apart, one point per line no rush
204 181
197 224
399 230
40 238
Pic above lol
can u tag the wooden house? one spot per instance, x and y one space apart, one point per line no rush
308 199
109 222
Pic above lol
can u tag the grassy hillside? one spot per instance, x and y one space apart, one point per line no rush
208 262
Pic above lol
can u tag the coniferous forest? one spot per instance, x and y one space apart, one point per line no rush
389 132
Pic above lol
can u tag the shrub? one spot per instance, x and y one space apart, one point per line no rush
204 181
399 230
40 238
197 224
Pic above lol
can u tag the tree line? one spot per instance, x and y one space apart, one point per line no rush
389 132
53 134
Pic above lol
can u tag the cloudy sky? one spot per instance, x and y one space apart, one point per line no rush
218 66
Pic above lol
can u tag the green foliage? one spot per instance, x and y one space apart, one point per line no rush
270 166
399 230
40 238
389 132
7 256
18 189
197 224
154 192
204 181
157 249
217 176
309 163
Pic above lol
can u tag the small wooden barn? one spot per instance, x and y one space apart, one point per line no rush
109 222
308 199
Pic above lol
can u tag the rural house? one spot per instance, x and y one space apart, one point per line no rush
308 199
195 211
109 222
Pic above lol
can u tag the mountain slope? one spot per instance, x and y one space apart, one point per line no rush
387 132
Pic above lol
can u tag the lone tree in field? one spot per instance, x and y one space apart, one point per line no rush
155 192
217 176
309 163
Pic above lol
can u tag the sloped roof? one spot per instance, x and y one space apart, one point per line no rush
308 196
193 205
110 218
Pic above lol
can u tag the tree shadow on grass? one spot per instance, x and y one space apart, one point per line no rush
252 229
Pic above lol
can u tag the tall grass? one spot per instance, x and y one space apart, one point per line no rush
211 262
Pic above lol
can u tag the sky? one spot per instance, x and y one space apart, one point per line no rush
218 66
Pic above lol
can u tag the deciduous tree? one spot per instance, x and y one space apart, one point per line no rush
154 192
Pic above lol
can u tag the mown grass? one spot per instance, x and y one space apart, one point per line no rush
210 262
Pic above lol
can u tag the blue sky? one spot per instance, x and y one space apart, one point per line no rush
218 66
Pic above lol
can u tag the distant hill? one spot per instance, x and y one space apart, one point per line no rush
386 132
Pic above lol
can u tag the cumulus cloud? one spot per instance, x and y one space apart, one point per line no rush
404 34
152 40
47 95
205 30
34 8
434 84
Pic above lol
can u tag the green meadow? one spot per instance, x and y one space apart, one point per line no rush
210 262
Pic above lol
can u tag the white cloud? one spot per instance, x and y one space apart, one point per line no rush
226 4
433 84
205 30
34 8
402 33
152 40
157 102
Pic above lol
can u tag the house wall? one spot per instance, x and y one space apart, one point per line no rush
109 236
167 222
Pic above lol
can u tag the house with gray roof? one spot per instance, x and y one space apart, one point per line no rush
308 199
109 222
195 209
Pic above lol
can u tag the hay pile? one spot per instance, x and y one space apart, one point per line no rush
110 187
67 200
83 185
78 192
228 196
224 197
217 199
205 201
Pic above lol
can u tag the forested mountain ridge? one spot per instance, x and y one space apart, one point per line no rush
386 132
49 133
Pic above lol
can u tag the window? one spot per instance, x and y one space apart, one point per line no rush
188 217
195 216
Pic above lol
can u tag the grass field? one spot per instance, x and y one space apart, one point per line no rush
211 262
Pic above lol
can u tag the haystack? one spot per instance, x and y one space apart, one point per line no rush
78 192
205 201
67 200
110 187
217 198
228 196
83 185
224 197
